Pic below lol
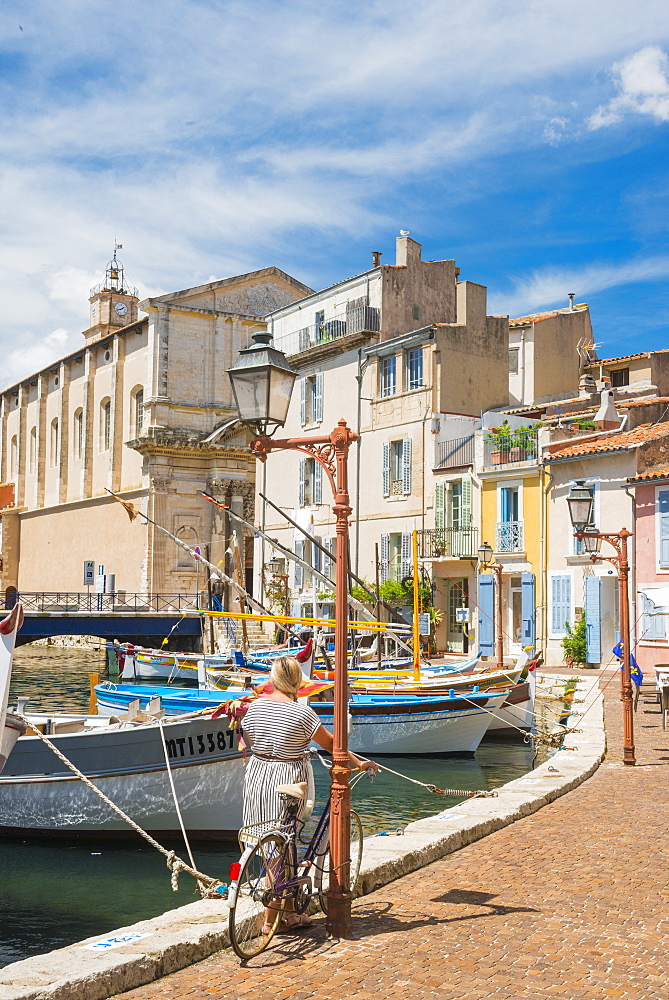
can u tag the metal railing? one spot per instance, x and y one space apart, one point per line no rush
505 449
458 451
509 536
63 602
360 319
448 543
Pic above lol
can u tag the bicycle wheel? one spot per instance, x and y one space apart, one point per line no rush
323 864
268 864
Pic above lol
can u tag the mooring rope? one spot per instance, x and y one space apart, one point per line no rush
209 887
460 793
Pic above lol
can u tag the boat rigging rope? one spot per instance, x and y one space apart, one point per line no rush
209 887
460 793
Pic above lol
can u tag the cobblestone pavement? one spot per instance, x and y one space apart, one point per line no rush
571 902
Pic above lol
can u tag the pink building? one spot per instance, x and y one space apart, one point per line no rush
651 530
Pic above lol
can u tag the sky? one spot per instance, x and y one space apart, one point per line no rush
527 140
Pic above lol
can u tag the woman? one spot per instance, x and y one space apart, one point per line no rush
279 731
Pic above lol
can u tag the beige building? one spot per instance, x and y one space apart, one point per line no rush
547 352
144 408
408 356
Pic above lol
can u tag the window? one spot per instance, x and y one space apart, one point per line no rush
509 531
513 360
653 627
388 376
578 544
78 434
138 411
397 467
620 376
310 483
105 424
319 326
662 528
53 453
14 457
416 312
414 370
395 555
33 450
311 399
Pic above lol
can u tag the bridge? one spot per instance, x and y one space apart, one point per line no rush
145 619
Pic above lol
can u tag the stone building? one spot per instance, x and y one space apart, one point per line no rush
143 408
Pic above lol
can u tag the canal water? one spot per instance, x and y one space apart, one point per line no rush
54 893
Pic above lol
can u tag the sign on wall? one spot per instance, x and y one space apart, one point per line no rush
89 572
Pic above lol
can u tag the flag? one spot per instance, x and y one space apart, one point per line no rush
130 510
635 669
213 500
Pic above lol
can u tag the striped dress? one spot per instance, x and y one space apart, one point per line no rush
280 733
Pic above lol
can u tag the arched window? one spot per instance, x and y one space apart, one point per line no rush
53 453
78 439
137 411
33 450
105 424
14 457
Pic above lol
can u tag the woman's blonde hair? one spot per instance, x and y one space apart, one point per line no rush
286 675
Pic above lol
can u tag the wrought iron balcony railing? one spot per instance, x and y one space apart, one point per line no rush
120 602
509 536
448 543
454 453
506 449
359 319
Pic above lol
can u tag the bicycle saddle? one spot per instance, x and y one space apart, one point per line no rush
296 791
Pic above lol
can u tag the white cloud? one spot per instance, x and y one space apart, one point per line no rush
642 80
547 288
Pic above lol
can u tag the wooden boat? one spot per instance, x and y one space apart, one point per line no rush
10 726
40 796
429 685
516 712
397 725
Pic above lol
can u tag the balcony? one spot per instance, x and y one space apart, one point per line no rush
448 543
358 320
511 448
455 453
509 536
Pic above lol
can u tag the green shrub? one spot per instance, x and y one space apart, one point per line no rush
574 643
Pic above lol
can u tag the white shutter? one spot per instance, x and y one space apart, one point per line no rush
406 554
327 560
439 493
466 517
406 466
303 477
384 557
303 401
299 572
317 485
386 469
318 399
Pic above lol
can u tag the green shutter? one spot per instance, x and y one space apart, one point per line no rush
439 511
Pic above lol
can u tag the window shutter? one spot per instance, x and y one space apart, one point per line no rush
317 487
439 512
663 501
318 398
593 630
406 466
653 626
386 468
327 559
384 557
303 477
486 614
299 571
405 566
317 561
527 609
560 603
466 515
303 401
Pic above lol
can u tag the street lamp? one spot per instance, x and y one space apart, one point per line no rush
262 382
580 512
485 554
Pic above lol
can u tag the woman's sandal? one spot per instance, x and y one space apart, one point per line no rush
287 925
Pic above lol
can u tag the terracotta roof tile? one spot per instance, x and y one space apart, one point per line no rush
652 474
626 357
615 442
537 317
642 402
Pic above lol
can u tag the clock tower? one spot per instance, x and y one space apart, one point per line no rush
113 303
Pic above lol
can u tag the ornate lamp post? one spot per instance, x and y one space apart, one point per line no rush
486 560
262 383
581 504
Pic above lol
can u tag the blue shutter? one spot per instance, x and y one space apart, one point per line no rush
318 399
486 614
317 488
406 466
560 603
303 401
663 503
527 609
593 619
653 626
386 468
384 556
302 481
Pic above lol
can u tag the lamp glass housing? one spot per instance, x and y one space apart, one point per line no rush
262 383
581 503
485 553
274 565
592 542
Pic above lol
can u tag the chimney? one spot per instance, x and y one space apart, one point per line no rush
407 251
587 385
571 296
606 418
376 258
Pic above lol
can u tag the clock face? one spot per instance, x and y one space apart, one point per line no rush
94 309
120 308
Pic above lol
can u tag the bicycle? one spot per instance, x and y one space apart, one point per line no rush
270 871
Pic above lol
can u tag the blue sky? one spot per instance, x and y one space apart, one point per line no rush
528 140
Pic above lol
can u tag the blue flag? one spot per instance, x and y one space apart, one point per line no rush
635 669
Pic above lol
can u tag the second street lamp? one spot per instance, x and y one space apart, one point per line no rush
485 555
262 382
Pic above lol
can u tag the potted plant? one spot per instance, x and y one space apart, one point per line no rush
575 644
500 443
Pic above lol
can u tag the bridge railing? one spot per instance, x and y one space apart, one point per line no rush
62 602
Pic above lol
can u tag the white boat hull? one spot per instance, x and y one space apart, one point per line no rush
517 712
